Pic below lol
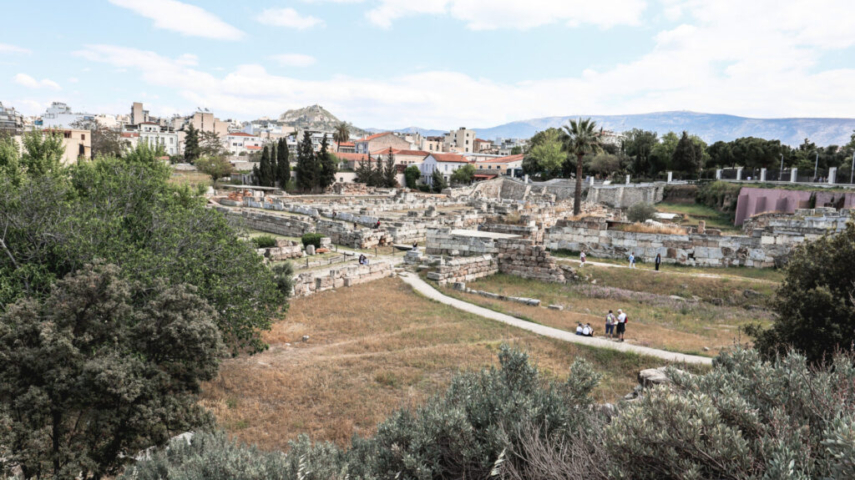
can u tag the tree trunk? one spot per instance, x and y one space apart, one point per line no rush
577 195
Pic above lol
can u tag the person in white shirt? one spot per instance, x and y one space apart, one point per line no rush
588 331
582 259
579 329
631 260
621 324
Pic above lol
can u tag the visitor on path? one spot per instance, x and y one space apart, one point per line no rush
631 260
361 259
582 259
658 261
415 246
366 261
621 324
610 324
377 225
579 329
333 214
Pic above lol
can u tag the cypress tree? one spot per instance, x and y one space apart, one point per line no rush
264 168
390 173
191 144
327 165
363 172
283 164
686 157
306 170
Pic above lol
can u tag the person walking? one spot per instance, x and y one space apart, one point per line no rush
621 324
631 260
658 261
610 324
582 259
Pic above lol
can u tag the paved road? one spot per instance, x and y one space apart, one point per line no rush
422 287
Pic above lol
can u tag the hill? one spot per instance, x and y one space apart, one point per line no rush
710 127
315 117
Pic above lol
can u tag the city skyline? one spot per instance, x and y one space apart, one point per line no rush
434 64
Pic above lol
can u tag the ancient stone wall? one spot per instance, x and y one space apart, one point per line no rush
309 283
625 196
464 269
271 223
764 247
441 241
284 250
522 258
523 231
360 238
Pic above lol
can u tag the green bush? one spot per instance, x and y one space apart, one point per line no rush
264 241
721 196
815 305
312 239
423 187
641 212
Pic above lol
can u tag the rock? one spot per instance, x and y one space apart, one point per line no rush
751 293
556 307
653 376
593 282
310 249
459 286
677 298
717 301
706 349
305 338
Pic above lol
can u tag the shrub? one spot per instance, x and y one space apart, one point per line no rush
747 418
719 195
264 241
641 212
423 187
815 305
312 239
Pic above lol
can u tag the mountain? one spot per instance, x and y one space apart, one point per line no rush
425 132
710 127
315 117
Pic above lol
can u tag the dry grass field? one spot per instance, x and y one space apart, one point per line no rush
193 179
658 321
372 349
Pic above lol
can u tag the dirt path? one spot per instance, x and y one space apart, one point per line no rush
428 291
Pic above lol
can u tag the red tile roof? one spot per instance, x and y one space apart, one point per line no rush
347 144
450 158
253 148
372 137
240 134
395 151
508 159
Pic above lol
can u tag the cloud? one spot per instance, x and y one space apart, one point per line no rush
294 59
288 17
495 14
745 58
183 18
6 48
27 81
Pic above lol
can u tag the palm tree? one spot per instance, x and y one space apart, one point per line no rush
341 133
580 138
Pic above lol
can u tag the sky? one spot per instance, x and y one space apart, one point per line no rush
432 63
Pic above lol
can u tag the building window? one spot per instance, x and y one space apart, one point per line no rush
83 136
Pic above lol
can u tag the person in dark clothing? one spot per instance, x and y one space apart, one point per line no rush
658 261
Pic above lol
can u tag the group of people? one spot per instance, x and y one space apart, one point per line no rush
583 258
615 326
363 260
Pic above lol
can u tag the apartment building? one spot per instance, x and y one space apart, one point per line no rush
381 141
77 143
238 143
461 140
59 115
446 163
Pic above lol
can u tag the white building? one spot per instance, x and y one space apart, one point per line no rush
153 135
242 143
446 163
59 115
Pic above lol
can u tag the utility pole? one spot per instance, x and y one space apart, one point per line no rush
781 177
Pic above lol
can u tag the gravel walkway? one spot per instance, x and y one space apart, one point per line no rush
428 291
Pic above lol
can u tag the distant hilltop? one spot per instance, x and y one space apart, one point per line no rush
709 126
315 117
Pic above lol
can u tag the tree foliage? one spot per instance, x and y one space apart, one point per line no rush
641 212
307 168
580 138
412 174
124 212
546 155
390 171
327 165
192 148
463 175
438 181
283 163
97 371
216 167
341 134
107 142
43 152
639 145
816 302
688 156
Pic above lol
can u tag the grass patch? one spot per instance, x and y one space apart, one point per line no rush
699 328
693 213
372 349
193 179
